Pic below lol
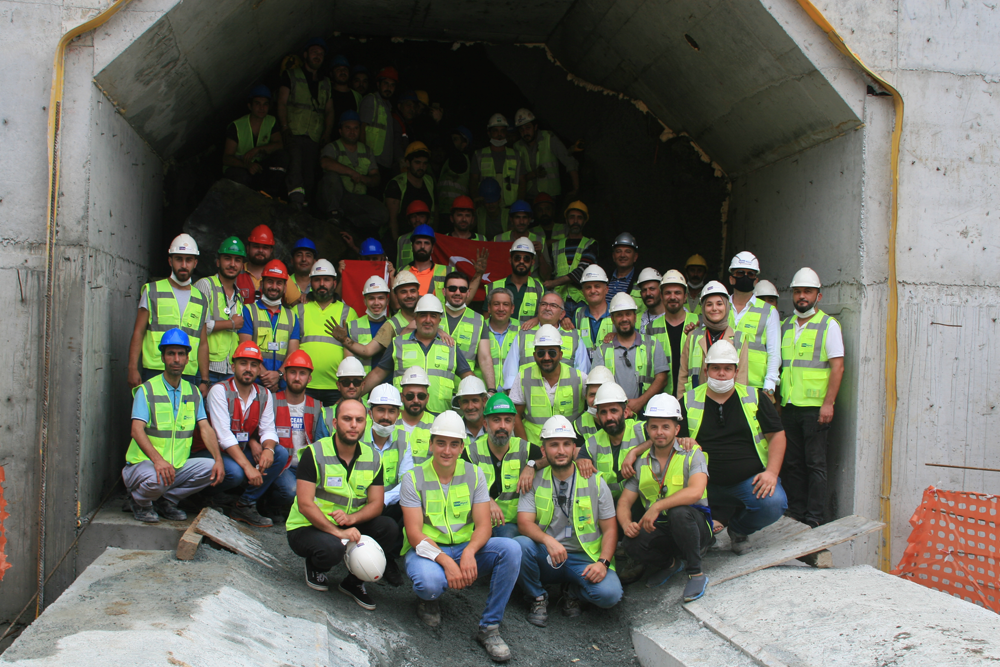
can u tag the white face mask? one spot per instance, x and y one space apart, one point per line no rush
373 316
268 302
178 281
498 142
806 314
381 431
721 386
592 410
696 286
455 309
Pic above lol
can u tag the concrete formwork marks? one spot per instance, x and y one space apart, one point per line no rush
4 565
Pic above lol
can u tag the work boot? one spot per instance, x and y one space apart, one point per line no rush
740 543
429 612
127 504
316 580
490 639
539 614
144 514
570 605
629 571
353 587
248 514
660 577
392 575
169 510
695 587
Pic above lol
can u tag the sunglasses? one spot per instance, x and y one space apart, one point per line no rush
625 358
351 382
722 417
547 353
422 396
458 288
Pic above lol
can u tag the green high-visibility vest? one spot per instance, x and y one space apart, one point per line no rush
533 292
171 436
585 426
526 347
564 267
325 351
222 342
481 220
645 372
439 364
451 186
377 130
658 330
363 166
244 136
307 114
754 327
272 340
499 352
544 157
538 407
586 509
583 325
404 250
694 404
403 182
510 470
601 453
391 455
675 479
360 330
510 235
805 368
447 518
335 489
164 315
696 355
467 332
507 178
417 440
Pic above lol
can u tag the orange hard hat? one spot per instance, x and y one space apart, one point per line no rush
462 202
417 206
248 350
274 269
299 359
261 235
388 73
544 197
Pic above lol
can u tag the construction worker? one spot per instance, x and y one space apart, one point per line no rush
812 367
303 258
384 407
462 212
305 113
349 174
624 255
379 131
242 415
425 349
500 162
584 425
456 170
521 354
413 426
541 152
526 290
467 326
274 327
593 320
546 387
640 365
492 217
340 490
225 307
350 374
429 275
418 214
344 98
671 482
765 289
647 289
315 316
568 531
166 304
296 421
363 330
470 399
253 153
696 270
501 330
159 472
716 325
453 549
758 321
414 184
571 255
359 80
615 437
544 207
260 251
671 325
520 226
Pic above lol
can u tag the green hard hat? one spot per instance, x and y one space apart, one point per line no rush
499 404
232 246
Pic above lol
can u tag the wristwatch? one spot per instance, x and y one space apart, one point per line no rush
531 463
605 562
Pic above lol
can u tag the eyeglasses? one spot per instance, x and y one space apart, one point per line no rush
422 396
547 352
625 358
722 416
458 288
743 273
544 304
351 382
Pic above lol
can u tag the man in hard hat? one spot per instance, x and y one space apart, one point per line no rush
521 220
593 320
624 255
501 330
322 310
418 214
715 325
467 327
462 219
585 425
522 350
572 254
640 365
415 184
696 271
615 435
167 303
541 152
305 114
414 423
252 155
344 98
275 328
349 175
647 292
544 208
379 130
546 387
525 289
470 399
303 257
340 489
158 471
225 307
492 217
384 410
260 251
430 275
568 531
456 171
359 80
500 162
670 326
812 367
448 542
362 331
671 482
765 289
758 322
350 375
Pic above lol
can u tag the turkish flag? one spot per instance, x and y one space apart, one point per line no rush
356 273
461 255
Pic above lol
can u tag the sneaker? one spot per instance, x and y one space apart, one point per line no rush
662 576
249 514
145 514
169 510
629 571
539 614
496 647
392 575
316 580
739 541
570 606
695 588
353 587
429 612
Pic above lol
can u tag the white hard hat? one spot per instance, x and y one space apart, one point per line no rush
674 277
429 303
806 278
663 405
610 392
497 120
404 277
713 287
722 352
183 244
375 285
323 267
766 288
414 375
522 244
365 559
648 274
350 367
385 394
471 386
557 427
622 301
523 117
745 260
548 336
593 273
600 375
449 424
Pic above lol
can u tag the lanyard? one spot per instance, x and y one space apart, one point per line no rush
569 498
663 473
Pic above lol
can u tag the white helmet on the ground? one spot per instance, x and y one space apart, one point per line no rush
765 288
557 427
470 386
663 405
404 277
365 559
648 274
713 287
674 277
385 394
414 375
745 260
806 278
375 285
610 392
183 244
592 274
323 267
722 352
600 375
350 367
429 303
622 301
522 244
497 120
449 424
548 336
523 117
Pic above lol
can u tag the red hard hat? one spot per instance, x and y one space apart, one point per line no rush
462 203
544 197
247 350
388 73
299 359
418 206
262 235
274 269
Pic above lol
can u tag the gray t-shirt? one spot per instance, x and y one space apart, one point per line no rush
408 496
625 371
183 296
698 464
561 527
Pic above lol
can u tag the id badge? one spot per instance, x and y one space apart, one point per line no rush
334 481
273 347
284 432
228 311
242 436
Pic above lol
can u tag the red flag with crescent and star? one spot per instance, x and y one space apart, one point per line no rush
461 254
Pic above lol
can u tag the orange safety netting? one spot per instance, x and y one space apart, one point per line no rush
955 546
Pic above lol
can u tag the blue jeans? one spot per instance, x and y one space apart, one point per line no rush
536 572
235 477
283 488
509 529
756 513
499 556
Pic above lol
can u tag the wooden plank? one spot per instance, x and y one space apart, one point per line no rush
802 544
225 532
187 547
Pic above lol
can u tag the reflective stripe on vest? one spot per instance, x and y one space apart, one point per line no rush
544 157
170 436
378 129
222 342
451 186
753 324
283 421
306 114
249 421
447 518
481 220
805 368
510 469
696 354
164 315
564 267
694 403
439 365
264 333
335 489
325 351
585 425
526 347
244 134
404 250
533 292
467 332
538 408
676 478
390 454
418 440
403 182
508 180
583 325
360 330
363 166
658 329
599 447
642 365
499 352
586 509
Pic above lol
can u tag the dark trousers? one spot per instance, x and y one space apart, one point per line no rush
303 160
323 551
325 396
270 179
803 471
395 512
684 534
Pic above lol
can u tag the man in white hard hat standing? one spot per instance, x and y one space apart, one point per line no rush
812 367
521 355
448 540
321 311
470 399
526 290
616 436
670 329
547 387
593 320
541 152
647 289
765 289
758 321
500 162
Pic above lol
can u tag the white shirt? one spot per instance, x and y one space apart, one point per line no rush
834 341
218 412
297 414
405 465
512 364
773 328
517 396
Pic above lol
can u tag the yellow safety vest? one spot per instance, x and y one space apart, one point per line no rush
451 186
585 426
499 352
694 404
533 292
335 489
439 364
306 114
805 368
510 470
583 325
222 342
538 407
447 518
526 347
364 165
675 479
601 453
244 136
403 182
437 280
467 332
171 436
586 509
643 367
391 456
544 157
164 315
696 356
564 267
658 330
418 440
753 325
325 351
272 340
360 330
377 131
481 220
507 179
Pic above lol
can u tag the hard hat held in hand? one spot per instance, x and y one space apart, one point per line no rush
557 427
385 394
806 278
648 274
449 425
365 559
548 336
610 392
766 288
375 285
661 406
599 375
722 352
593 274
183 244
414 375
713 287
745 260
622 301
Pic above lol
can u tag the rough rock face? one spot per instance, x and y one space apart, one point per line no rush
230 208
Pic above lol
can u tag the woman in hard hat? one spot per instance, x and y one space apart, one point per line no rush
715 306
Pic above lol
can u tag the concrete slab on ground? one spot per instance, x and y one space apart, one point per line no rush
113 528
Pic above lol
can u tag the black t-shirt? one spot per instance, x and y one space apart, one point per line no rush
534 453
674 335
307 468
413 193
732 457
343 102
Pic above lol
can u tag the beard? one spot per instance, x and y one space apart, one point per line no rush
501 438
614 427
520 270
421 255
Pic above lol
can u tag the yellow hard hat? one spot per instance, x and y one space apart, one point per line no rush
579 206
424 98
416 146
696 260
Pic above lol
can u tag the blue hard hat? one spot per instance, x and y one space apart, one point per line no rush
340 61
348 115
521 206
175 337
422 230
370 247
409 95
304 243
260 90
315 41
489 190
465 132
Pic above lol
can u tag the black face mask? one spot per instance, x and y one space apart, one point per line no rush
744 284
